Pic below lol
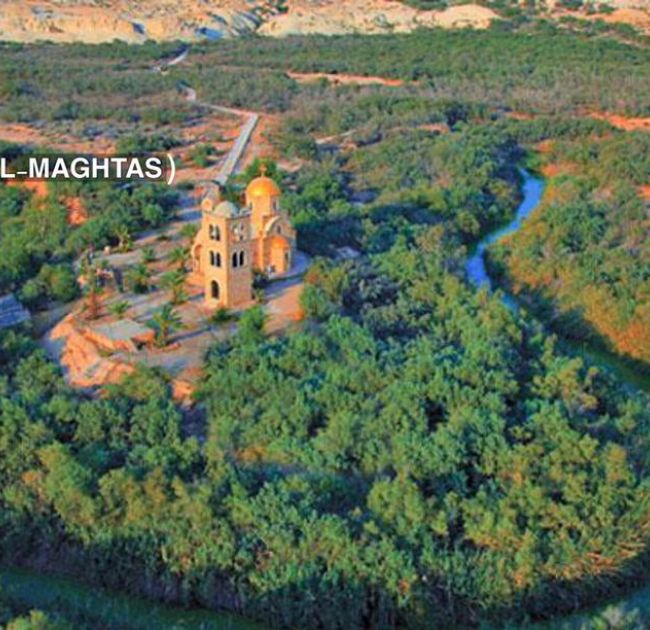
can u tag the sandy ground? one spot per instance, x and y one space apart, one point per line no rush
370 16
625 123
283 306
637 17
135 21
260 145
551 170
343 79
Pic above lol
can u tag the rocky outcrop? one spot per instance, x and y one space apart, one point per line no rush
127 20
94 21
134 21
370 16
85 363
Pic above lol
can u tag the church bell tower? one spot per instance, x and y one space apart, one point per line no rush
222 254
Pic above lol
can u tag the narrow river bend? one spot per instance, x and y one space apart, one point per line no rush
533 189
476 269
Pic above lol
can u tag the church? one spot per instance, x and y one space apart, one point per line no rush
234 241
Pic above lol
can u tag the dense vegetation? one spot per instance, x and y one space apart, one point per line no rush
76 83
414 177
413 440
38 244
80 85
583 255
417 454
586 253
473 66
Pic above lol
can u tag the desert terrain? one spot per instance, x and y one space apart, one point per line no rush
139 21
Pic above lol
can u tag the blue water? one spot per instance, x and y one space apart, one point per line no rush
533 189
636 607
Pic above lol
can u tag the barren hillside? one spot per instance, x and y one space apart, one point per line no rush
138 20
135 21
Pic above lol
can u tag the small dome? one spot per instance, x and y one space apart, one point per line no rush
263 187
226 209
212 192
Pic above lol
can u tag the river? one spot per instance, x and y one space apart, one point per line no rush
533 189
476 269
608 614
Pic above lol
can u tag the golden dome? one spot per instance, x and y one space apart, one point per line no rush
263 187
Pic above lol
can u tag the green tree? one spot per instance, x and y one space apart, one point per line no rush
250 328
174 281
138 278
119 309
179 256
188 232
165 322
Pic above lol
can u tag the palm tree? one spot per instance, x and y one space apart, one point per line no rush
119 309
92 290
179 256
165 322
148 254
174 281
188 232
125 240
138 278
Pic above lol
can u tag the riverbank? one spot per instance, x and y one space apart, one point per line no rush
96 607
481 275
628 613
634 609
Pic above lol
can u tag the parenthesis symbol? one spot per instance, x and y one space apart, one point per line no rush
172 165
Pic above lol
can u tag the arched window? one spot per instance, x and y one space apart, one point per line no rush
215 233
214 290
235 260
242 259
215 259
279 229
238 232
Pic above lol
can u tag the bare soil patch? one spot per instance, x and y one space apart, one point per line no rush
344 79
626 123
